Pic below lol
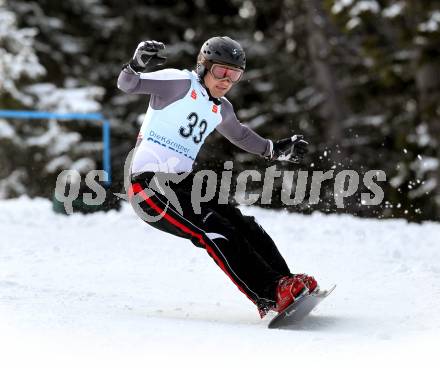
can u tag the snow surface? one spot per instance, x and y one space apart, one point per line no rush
107 290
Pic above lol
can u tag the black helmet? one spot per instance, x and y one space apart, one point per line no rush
223 50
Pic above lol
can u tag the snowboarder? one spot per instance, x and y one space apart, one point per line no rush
185 106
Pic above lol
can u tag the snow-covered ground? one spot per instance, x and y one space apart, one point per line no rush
106 290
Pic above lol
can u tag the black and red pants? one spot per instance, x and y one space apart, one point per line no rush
237 243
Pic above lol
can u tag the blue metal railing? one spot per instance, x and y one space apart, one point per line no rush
106 160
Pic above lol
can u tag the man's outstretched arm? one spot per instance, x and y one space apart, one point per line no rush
241 135
166 83
288 149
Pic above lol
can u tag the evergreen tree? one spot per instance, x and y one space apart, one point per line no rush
359 78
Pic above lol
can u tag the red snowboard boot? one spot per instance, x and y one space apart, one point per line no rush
289 288
309 281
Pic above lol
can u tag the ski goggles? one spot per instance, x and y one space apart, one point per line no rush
219 71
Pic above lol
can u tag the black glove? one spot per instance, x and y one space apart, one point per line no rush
147 53
290 149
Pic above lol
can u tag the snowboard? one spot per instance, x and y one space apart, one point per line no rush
299 309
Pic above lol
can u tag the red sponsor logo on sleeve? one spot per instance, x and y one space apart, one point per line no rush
214 109
193 94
